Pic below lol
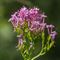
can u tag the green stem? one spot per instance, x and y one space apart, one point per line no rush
48 46
43 39
40 54
51 44
36 57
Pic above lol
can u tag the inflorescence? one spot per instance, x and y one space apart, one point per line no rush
28 23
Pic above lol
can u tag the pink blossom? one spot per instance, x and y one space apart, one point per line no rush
50 28
32 16
53 34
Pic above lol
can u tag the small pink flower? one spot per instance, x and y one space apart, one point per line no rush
20 39
50 28
23 13
42 26
53 34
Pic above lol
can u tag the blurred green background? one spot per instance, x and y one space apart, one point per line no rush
8 39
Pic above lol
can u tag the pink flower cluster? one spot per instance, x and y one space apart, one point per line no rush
35 19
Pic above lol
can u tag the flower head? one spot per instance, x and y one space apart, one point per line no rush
32 16
35 19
